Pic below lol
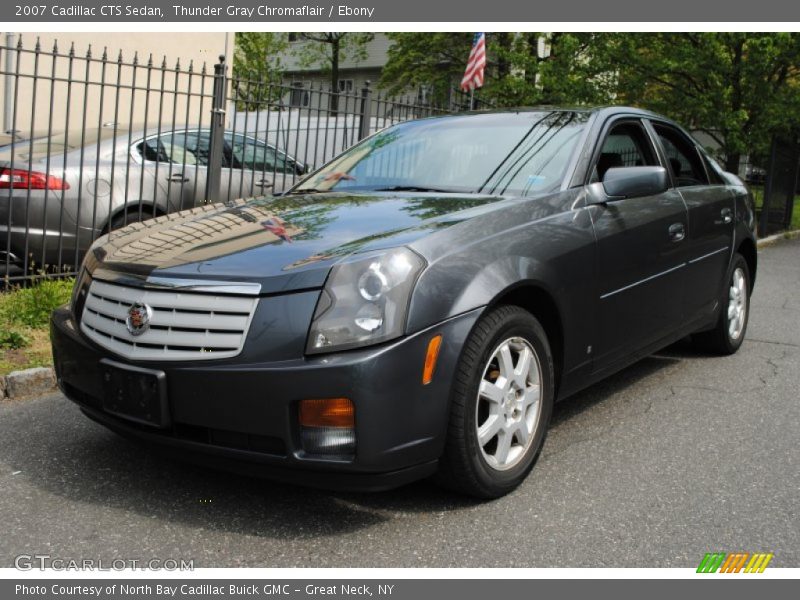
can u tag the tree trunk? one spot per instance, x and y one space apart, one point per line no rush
732 162
504 41
733 158
533 49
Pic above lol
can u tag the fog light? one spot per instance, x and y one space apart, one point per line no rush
327 426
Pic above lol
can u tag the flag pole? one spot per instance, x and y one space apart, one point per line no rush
472 98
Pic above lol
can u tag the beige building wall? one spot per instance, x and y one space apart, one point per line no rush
41 102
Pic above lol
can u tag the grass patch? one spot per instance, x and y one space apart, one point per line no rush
758 196
24 323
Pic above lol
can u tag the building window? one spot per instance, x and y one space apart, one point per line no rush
345 86
300 95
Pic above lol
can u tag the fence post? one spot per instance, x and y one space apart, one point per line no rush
8 102
216 139
366 111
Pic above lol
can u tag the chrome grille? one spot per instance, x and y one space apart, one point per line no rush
183 326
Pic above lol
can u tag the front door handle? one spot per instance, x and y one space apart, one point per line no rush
263 183
677 232
727 215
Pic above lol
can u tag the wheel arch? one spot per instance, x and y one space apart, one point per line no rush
534 298
747 249
516 280
133 207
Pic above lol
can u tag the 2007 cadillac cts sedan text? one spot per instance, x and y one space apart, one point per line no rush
416 306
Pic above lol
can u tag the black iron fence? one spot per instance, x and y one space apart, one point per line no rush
93 141
775 184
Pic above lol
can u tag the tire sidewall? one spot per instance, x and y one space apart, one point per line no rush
524 325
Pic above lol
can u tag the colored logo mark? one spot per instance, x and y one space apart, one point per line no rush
734 562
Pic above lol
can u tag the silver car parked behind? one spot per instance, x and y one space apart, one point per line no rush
59 193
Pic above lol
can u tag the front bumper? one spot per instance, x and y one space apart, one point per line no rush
242 416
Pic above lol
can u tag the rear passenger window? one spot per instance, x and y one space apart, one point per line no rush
153 150
180 147
682 156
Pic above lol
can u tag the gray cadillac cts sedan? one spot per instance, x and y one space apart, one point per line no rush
416 306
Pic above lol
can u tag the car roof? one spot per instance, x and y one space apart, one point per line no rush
601 112
606 110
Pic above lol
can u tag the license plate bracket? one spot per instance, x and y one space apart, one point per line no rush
135 393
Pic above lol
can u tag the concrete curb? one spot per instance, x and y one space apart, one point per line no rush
774 239
27 383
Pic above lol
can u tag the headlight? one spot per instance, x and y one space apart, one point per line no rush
365 300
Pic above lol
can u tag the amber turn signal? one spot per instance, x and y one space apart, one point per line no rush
327 412
431 356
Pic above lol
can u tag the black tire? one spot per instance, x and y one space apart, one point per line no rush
464 466
719 340
125 218
120 221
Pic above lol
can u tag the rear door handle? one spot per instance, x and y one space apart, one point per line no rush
677 232
263 183
727 215
178 178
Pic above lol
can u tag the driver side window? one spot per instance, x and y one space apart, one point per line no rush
625 145
683 158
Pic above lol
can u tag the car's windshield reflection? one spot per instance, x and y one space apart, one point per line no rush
521 154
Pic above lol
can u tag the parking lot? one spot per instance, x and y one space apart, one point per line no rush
678 455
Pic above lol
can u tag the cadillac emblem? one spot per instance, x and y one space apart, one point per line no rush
138 320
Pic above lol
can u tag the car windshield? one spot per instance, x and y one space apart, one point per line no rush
520 154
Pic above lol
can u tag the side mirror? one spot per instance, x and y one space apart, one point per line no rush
635 182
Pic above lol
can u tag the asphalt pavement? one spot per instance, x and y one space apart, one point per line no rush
678 455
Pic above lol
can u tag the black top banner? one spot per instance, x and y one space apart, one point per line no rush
268 11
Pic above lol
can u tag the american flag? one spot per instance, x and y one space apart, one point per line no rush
276 226
473 76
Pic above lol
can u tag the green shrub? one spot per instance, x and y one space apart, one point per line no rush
10 339
31 306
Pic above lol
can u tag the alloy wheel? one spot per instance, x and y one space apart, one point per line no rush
737 304
509 403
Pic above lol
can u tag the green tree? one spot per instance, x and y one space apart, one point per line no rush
434 60
327 50
256 62
741 89
522 68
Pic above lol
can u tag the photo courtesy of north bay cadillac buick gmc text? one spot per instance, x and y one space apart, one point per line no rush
415 307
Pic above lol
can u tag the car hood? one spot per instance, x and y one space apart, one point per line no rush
283 243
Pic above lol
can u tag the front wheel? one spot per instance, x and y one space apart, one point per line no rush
501 404
728 334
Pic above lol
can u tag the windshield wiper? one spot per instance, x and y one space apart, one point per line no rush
392 188
413 188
